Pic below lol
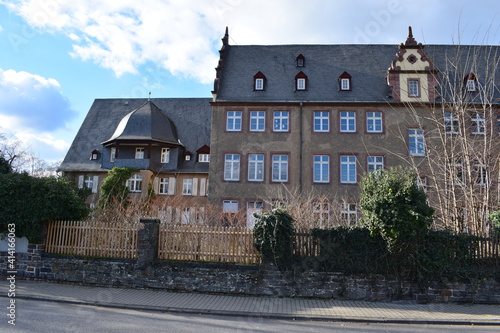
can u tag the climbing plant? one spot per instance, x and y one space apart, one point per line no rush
273 234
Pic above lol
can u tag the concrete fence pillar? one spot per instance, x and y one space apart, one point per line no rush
148 245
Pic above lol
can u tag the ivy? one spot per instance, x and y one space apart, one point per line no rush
113 189
273 234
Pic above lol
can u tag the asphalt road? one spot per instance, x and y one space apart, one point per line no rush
42 316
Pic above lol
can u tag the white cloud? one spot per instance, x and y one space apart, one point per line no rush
31 107
1 28
183 36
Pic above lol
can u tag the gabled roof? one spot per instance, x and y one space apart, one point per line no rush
367 64
146 123
189 120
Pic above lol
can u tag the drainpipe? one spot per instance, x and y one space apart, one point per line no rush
300 148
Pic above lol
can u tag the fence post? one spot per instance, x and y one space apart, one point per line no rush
147 243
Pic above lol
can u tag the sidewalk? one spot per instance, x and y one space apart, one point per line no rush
247 306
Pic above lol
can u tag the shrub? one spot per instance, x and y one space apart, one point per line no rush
113 189
29 202
350 250
273 234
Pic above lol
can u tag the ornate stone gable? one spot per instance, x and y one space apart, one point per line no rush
412 75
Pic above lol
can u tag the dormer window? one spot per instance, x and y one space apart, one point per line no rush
301 81
259 81
471 82
204 158
187 156
413 88
471 85
345 82
300 61
203 154
94 155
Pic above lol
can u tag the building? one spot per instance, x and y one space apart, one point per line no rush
313 119
166 139
308 122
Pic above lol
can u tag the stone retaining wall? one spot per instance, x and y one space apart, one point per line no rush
148 272
243 280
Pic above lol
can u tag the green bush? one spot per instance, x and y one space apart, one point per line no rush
113 189
350 250
441 255
395 208
273 235
29 202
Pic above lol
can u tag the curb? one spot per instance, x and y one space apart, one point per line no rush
261 314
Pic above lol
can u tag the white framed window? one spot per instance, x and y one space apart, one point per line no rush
349 214
187 186
471 85
478 123
348 172
259 84
321 168
204 158
374 122
257 121
163 186
280 121
480 173
451 123
300 61
413 88
232 167
280 168
345 84
253 207
321 211
375 163
321 121
422 182
165 155
139 153
112 154
301 84
230 206
456 169
88 182
348 121
134 184
416 142
233 121
256 167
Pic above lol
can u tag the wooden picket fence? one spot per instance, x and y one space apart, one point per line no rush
94 239
207 244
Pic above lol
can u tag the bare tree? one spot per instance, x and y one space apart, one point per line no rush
462 140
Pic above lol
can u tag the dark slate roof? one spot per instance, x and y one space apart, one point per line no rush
191 118
367 64
145 123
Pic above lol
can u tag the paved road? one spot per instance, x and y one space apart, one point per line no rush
43 316
254 307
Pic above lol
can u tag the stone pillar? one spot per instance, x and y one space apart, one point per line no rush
34 262
148 245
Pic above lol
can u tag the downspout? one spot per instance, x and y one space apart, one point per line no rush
300 148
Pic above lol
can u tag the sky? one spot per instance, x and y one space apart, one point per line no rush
57 56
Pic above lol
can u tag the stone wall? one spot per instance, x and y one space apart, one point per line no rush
149 272
245 280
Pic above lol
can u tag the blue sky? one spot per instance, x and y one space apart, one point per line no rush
57 56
